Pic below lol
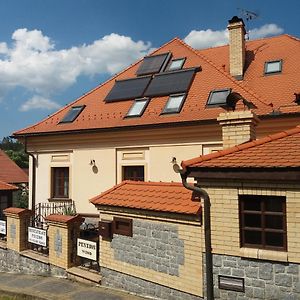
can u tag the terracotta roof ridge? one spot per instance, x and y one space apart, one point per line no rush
156 183
94 89
292 37
242 86
240 147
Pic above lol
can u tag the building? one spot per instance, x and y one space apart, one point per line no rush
161 109
11 179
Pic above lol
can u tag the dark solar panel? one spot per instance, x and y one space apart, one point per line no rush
128 89
170 83
72 114
153 64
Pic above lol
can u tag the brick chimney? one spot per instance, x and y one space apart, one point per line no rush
238 127
236 28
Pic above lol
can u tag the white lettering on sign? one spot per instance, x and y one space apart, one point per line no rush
87 249
2 227
37 236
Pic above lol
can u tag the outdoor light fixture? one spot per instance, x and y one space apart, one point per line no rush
93 162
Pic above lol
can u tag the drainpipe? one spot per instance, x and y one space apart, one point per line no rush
207 230
33 181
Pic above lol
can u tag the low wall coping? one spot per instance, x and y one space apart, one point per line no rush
64 219
17 211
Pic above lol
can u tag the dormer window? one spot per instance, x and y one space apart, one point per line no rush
174 104
72 114
176 64
218 97
138 107
273 67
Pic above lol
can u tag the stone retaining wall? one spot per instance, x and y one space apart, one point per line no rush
267 280
13 262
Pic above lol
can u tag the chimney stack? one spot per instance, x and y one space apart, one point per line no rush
236 28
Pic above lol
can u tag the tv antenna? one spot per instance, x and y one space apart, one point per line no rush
248 16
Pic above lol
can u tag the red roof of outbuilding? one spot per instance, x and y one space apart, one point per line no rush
265 92
156 196
9 171
6 186
274 151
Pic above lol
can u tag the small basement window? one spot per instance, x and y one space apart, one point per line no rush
174 104
218 97
72 114
138 107
273 67
176 64
122 226
136 173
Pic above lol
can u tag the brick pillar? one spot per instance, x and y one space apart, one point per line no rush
237 46
16 227
63 232
238 127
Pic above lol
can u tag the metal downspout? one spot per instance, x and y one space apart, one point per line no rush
207 233
33 182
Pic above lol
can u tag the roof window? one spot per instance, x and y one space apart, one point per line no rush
273 67
176 64
218 97
138 107
153 64
174 104
72 114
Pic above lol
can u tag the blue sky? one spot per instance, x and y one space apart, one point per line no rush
53 51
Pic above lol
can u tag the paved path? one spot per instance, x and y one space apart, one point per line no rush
57 288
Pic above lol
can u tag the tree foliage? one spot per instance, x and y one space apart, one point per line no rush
15 150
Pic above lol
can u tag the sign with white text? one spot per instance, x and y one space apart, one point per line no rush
87 249
37 236
2 227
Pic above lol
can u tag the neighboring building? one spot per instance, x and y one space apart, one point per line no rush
161 109
11 179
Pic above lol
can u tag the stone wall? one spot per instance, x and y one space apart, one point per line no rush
153 246
267 280
13 262
142 287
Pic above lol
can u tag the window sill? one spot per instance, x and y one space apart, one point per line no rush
59 199
35 256
264 254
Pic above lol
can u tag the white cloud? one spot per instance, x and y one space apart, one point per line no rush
39 102
210 38
33 62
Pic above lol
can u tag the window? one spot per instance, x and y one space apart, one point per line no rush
176 64
72 114
60 182
122 226
263 222
218 97
174 104
272 67
138 107
135 173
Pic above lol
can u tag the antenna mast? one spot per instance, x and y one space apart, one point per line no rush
248 16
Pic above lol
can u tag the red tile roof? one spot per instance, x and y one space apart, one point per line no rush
266 92
65 218
10 172
6 186
274 151
156 196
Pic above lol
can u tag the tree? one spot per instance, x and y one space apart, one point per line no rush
15 150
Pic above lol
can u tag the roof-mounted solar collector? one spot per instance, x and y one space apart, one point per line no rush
171 83
153 64
128 89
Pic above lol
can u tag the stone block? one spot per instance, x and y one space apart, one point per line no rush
279 268
258 293
251 272
293 269
283 280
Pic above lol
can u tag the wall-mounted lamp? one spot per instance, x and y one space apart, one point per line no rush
173 161
93 162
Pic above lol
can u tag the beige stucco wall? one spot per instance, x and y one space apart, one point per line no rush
225 218
190 279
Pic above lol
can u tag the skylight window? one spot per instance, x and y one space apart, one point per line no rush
174 104
72 114
138 107
176 64
273 67
218 97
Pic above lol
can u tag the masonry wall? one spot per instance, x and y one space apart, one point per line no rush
163 252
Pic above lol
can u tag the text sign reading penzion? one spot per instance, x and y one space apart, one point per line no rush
87 249
2 227
37 236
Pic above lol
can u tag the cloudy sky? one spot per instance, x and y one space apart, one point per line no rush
53 51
